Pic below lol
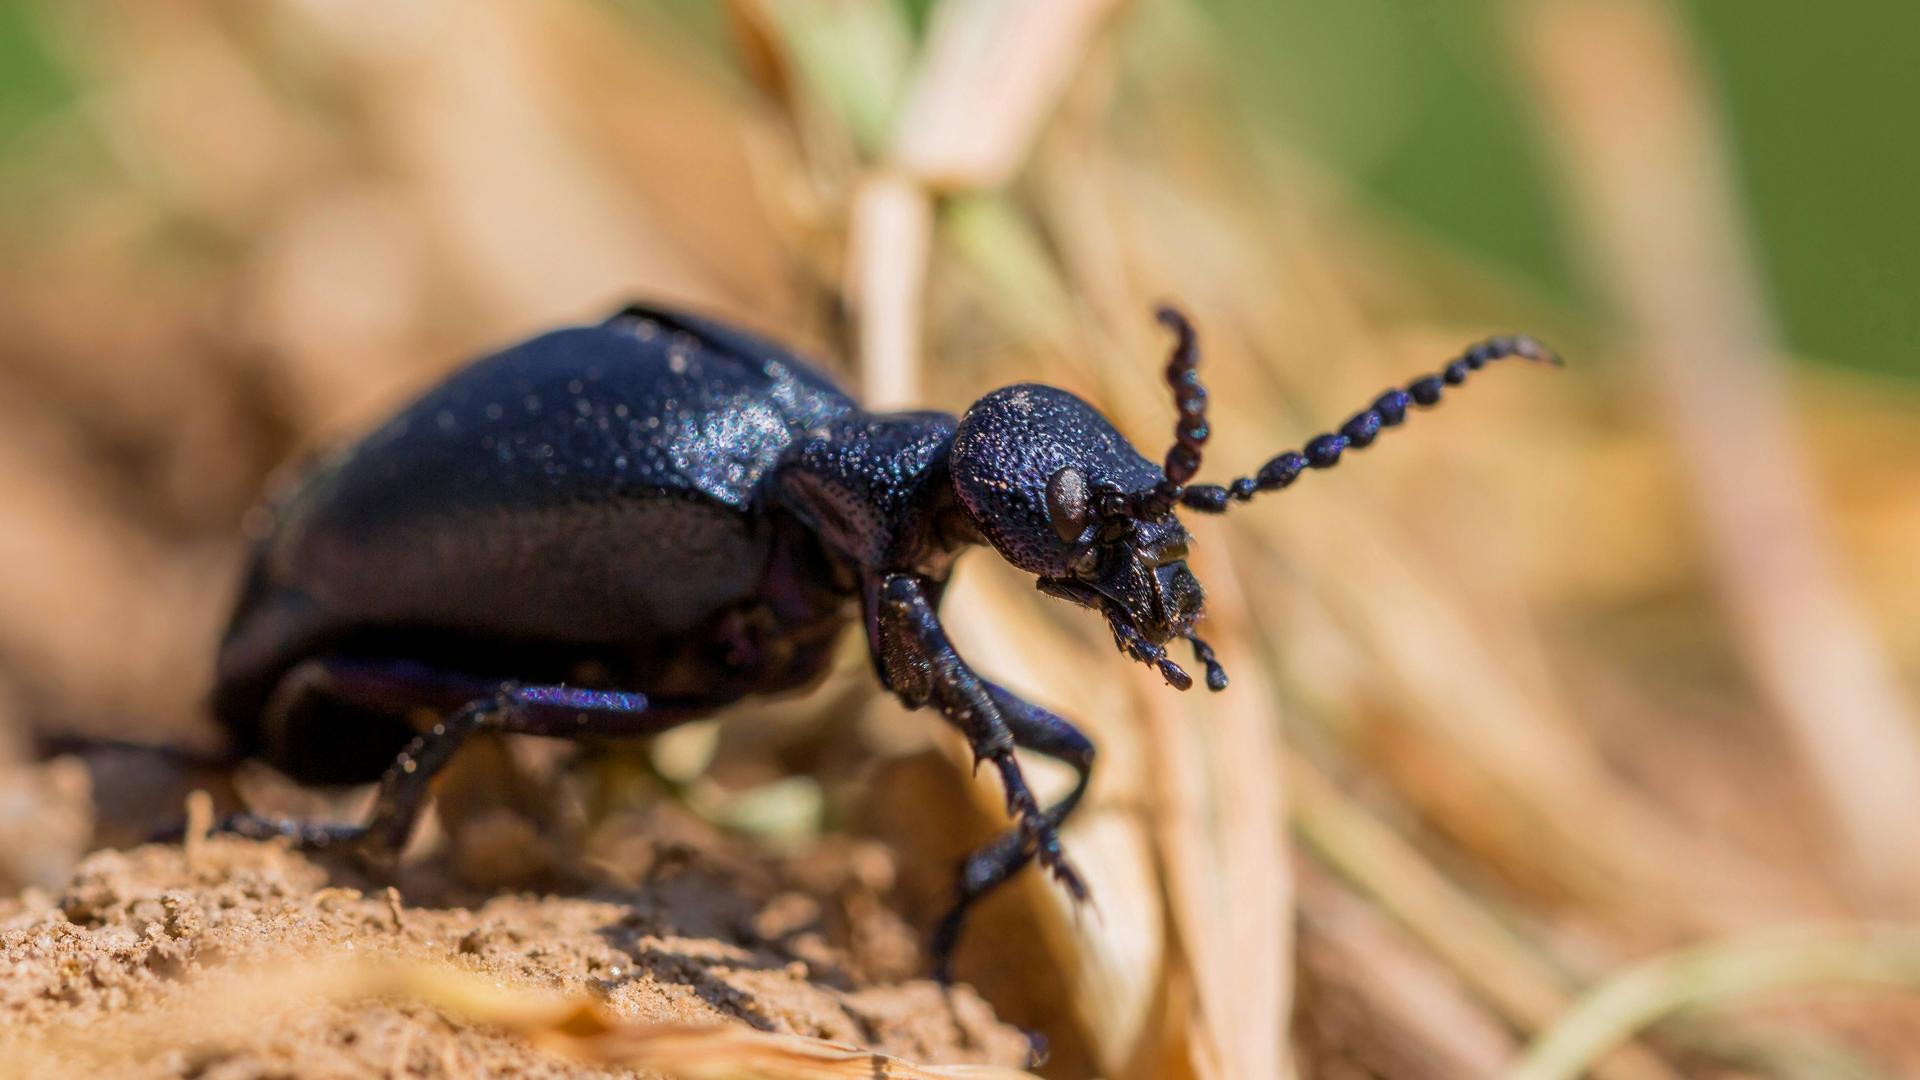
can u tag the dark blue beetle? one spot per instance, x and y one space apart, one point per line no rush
610 530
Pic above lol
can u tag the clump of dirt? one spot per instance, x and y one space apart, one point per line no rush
795 948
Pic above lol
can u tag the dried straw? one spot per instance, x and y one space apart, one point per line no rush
1624 103
1717 974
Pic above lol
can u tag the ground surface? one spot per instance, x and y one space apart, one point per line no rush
226 961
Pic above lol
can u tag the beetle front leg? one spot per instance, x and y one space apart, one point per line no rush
919 664
1033 728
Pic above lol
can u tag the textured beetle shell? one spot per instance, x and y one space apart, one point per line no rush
1011 442
598 485
865 475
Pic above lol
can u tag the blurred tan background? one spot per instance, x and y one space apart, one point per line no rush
1580 669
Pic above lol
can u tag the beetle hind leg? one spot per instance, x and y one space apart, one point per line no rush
507 708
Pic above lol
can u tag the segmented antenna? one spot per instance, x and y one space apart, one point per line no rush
1323 451
1190 430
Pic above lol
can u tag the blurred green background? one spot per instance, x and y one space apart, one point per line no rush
1398 93
1402 98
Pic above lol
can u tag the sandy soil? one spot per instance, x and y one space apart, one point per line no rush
160 961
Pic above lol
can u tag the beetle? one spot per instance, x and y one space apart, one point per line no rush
609 530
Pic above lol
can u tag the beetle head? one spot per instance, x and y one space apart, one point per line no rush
1059 493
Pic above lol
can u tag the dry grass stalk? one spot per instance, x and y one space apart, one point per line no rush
1380 999
890 239
1625 105
1716 974
1223 850
992 72
1483 952
989 74
1537 784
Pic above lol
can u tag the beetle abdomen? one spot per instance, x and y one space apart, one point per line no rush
596 486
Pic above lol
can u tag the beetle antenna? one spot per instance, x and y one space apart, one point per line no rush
1190 430
1388 410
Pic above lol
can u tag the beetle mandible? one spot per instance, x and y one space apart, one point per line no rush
609 530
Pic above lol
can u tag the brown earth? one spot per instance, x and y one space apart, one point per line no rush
226 958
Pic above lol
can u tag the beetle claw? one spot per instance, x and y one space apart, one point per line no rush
1069 878
1043 834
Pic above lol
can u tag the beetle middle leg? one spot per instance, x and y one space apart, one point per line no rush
919 664
507 708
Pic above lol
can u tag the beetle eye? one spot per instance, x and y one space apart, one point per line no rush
1067 503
